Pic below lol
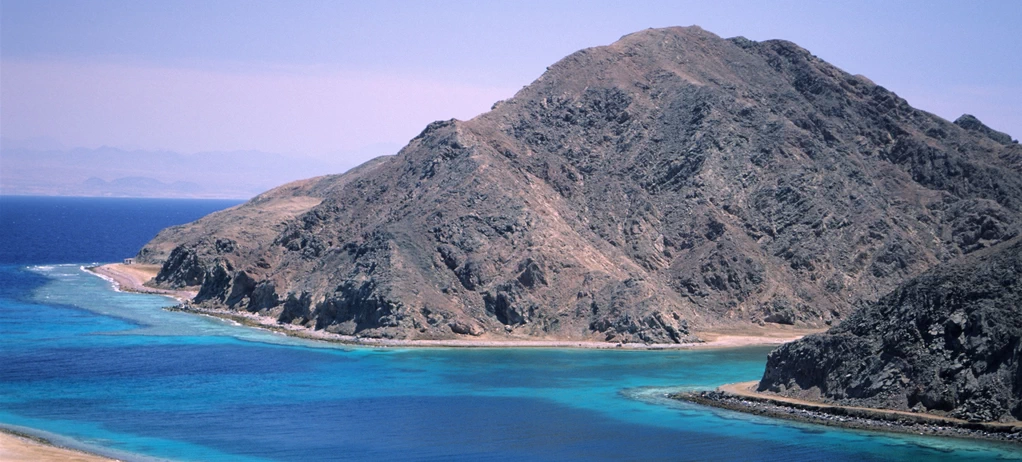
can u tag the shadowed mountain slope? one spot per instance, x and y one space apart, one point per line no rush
670 182
946 342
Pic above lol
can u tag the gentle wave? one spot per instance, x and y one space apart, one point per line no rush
113 282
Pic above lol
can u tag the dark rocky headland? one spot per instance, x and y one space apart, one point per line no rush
947 343
670 183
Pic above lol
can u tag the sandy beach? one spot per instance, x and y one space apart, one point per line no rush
17 448
770 334
133 278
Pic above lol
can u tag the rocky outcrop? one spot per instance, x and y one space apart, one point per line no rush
669 182
948 342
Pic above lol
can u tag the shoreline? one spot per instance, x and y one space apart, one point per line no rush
739 397
742 397
720 341
20 446
133 278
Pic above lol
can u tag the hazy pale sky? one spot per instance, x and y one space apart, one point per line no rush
318 78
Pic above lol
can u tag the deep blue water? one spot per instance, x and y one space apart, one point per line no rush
115 373
86 229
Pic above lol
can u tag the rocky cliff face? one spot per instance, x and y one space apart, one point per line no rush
670 181
946 342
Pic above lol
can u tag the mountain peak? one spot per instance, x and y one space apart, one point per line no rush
668 183
970 122
657 35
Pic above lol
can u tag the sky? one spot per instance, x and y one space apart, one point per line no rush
357 79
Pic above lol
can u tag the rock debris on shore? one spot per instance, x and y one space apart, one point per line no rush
861 420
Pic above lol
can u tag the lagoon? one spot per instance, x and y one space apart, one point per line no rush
117 374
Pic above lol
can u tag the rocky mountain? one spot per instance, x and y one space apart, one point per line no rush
948 342
670 182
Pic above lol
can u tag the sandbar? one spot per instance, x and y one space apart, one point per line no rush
743 397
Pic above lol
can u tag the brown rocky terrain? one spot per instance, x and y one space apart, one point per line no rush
671 182
948 342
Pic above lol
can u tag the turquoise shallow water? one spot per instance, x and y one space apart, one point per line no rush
116 373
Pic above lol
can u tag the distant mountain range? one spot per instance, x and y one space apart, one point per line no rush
29 170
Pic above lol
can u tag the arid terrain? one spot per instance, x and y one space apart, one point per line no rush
945 343
671 183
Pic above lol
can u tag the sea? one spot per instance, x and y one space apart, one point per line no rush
115 373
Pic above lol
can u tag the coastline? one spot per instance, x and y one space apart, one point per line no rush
719 341
742 397
18 446
739 397
133 278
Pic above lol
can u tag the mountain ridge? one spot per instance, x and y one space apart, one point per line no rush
670 182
